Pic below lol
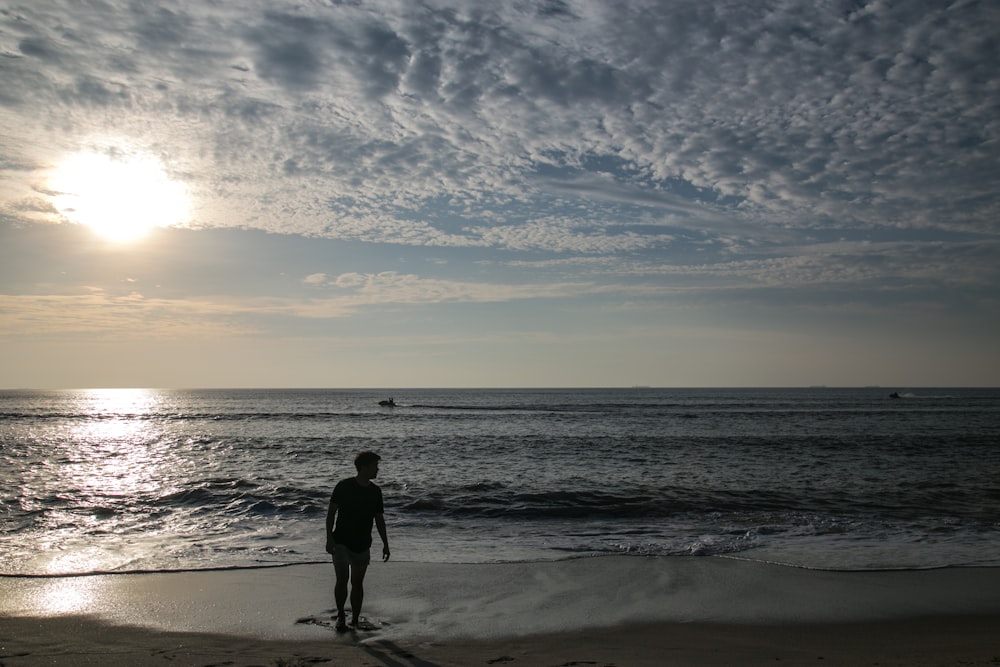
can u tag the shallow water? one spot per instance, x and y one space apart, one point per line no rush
829 478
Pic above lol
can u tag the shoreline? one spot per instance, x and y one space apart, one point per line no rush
621 610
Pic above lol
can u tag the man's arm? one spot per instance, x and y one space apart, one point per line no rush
330 518
380 524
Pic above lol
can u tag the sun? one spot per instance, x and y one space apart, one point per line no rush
122 197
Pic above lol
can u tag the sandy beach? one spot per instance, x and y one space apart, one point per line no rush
593 611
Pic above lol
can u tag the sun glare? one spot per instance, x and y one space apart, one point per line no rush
120 197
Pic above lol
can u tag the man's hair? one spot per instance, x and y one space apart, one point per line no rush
366 459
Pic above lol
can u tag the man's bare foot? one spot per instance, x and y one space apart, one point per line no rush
341 623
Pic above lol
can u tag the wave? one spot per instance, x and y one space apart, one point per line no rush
769 413
210 478
943 500
94 573
241 497
174 416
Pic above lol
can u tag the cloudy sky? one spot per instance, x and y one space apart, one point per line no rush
386 193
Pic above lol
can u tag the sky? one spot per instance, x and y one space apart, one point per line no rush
561 193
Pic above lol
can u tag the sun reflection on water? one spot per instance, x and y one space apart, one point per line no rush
113 464
120 401
117 415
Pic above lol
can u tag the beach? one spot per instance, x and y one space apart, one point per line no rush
529 527
927 641
599 611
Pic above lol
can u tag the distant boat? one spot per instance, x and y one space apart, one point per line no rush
894 394
388 403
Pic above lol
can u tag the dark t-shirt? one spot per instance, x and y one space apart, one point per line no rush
356 509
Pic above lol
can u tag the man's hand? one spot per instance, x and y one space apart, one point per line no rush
385 552
331 546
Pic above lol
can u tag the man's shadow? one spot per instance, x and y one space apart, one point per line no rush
391 655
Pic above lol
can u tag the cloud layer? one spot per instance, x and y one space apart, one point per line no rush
839 154
323 115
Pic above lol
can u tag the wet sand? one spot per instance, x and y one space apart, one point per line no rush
595 611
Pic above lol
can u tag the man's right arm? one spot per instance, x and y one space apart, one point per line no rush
331 514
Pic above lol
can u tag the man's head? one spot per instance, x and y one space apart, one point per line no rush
367 461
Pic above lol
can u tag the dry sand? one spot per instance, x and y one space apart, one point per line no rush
599 611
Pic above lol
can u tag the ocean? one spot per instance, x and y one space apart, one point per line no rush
827 478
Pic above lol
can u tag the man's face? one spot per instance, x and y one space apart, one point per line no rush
372 470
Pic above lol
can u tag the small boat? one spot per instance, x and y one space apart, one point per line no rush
388 403
894 394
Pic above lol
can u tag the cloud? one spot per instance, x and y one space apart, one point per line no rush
563 235
790 111
714 143
389 287
96 312
99 315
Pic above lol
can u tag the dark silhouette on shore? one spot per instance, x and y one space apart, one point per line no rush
355 504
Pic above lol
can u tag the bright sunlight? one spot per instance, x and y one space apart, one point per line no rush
120 196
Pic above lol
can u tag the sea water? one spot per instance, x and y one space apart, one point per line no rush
141 479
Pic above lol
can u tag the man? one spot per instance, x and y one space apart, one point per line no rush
355 503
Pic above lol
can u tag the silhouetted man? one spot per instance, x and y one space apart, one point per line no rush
354 505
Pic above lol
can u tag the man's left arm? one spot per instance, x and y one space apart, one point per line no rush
380 524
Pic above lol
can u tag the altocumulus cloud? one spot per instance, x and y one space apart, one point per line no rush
353 289
306 118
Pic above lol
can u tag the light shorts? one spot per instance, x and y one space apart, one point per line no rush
341 554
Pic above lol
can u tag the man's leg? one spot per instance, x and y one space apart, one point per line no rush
357 590
343 570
